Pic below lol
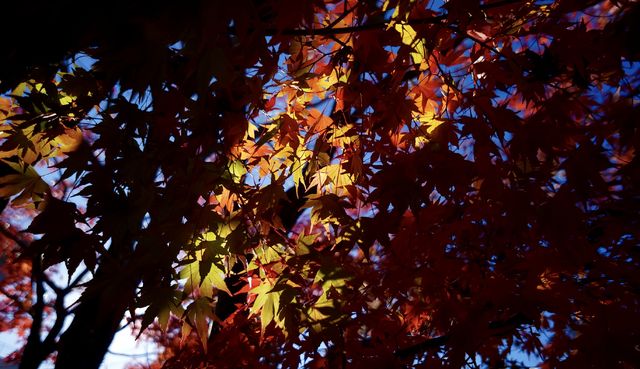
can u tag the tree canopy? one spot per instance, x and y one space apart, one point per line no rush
322 184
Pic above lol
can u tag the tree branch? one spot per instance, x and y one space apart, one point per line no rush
422 346
48 345
342 16
20 242
330 30
499 328
33 351
350 29
18 300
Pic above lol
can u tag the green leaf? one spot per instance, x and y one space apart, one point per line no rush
192 276
199 313
237 170
213 250
214 279
26 181
164 301
304 243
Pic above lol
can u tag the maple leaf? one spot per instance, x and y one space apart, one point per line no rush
26 182
401 183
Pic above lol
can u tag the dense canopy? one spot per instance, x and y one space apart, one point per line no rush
322 184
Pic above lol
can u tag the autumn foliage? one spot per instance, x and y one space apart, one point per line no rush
323 184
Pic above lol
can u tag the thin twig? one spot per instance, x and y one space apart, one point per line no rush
18 300
20 242
342 16
48 345
326 31
350 29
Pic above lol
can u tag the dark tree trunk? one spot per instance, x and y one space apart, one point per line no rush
35 351
31 359
97 320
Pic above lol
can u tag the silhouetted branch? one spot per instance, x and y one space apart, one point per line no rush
20 242
330 30
498 327
428 344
